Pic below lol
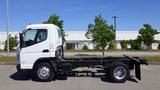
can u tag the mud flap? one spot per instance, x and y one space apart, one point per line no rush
138 70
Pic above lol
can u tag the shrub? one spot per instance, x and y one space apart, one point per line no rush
85 47
111 46
159 46
124 44
135 44
97 47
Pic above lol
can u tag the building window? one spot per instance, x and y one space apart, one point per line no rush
70 45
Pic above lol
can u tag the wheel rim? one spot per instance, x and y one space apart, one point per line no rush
120 72
44 72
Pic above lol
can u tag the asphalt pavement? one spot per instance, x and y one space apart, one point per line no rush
11 80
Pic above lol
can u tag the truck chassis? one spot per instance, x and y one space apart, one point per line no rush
117 68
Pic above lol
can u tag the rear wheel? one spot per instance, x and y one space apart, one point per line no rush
119 72
43 72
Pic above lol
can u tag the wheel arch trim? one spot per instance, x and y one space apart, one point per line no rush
51 60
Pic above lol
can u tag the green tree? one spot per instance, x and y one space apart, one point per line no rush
54 19
12 43
101 33
146 35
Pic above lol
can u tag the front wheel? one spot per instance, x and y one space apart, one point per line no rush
43 72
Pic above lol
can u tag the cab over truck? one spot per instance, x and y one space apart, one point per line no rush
40 51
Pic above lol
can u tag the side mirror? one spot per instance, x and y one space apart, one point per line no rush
21 40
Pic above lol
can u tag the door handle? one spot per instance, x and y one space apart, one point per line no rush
45 51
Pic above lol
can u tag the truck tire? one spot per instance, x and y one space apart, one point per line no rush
118 72
43 72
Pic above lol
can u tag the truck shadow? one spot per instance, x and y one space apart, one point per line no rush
106 79
21 76
93 75
25 76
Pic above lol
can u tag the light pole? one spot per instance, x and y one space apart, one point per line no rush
7 23
115 22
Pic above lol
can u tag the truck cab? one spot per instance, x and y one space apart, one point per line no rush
38 41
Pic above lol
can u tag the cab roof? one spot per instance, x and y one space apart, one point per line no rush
41 26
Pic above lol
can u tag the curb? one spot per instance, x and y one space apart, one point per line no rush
154 63
7 63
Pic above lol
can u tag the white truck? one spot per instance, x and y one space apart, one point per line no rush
40 51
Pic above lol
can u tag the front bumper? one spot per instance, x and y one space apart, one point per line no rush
21 70
18 68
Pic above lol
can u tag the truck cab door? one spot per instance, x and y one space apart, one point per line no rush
35 46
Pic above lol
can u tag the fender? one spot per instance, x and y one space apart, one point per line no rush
54 63
51 60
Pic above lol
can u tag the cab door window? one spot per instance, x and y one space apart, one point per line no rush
34 36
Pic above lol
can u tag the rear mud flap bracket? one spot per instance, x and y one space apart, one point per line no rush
137 70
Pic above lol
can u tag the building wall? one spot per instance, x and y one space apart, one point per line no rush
118 44
155 46
79 44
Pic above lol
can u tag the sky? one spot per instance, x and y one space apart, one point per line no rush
77 14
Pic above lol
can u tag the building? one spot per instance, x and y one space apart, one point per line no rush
77 39
125 35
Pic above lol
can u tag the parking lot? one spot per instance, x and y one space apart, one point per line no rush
10 80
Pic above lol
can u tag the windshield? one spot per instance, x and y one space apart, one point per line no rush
34 36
